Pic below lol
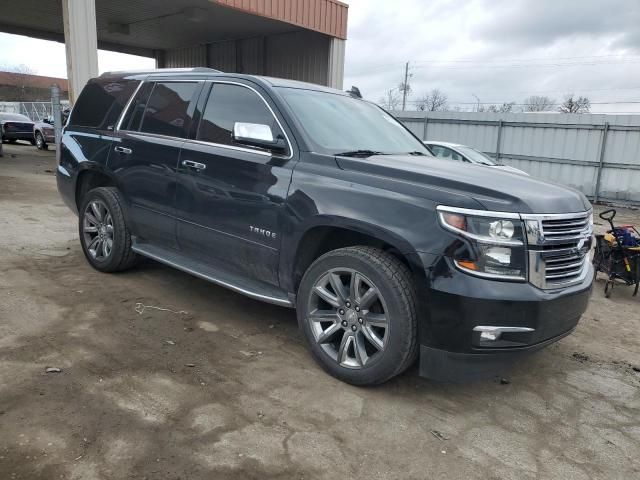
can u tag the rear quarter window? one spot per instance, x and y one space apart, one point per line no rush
101 103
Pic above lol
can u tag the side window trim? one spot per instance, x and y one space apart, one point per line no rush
128 105
206 95
244 149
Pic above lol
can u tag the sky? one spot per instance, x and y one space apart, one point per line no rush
493 50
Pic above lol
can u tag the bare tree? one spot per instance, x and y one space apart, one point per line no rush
22 68
434 101
391 100
573 104
538 103
504 108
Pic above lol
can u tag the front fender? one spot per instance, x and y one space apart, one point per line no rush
323 195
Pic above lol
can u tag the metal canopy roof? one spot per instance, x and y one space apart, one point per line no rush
141 26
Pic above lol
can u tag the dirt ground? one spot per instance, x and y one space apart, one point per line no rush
220 386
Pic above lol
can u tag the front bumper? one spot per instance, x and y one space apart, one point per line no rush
457 303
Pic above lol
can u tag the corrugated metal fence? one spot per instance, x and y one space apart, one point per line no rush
596 154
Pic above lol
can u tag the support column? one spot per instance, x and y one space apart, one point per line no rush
81 43
161 58
335 71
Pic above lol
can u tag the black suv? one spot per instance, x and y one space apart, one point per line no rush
313 198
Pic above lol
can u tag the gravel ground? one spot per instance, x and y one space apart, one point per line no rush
215 385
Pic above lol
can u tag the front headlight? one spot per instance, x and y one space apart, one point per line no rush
495 245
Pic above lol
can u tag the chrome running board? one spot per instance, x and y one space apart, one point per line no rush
251 288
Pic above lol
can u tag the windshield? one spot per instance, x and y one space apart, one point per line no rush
339 124
15 117
475 156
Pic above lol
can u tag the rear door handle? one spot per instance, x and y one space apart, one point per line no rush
126 151
194 165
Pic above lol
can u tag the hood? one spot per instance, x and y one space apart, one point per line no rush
495 189
507 168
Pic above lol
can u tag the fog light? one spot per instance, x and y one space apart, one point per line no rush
490 336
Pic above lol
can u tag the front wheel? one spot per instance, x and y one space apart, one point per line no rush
357 309
40 143
104 235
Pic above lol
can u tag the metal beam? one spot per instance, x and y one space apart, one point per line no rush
566 161
59 37
603 147
496 123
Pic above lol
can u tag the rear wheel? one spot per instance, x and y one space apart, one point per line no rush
104 235
357 309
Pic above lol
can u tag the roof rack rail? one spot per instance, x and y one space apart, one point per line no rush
162 70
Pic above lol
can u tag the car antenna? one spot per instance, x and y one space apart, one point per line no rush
354 92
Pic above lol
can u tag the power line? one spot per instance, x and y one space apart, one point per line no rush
495 63
494 60
443 65
631 102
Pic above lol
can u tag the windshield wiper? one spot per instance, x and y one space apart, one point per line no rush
359 153
417 154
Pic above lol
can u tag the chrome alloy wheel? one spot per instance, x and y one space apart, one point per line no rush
97 229
348 317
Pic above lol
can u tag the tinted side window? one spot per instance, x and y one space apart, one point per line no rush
101 102
166 112
229 104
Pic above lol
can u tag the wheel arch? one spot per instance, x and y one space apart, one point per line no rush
330 233
90 177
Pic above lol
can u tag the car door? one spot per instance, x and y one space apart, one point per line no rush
230 197
144 156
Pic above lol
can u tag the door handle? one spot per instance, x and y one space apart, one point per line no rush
194 165
126 151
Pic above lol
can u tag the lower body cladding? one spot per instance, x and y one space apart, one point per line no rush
473 328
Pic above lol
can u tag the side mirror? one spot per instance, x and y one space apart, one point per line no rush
258 135
48 120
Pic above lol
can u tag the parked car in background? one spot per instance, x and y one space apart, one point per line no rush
15 126
463 153
44 133
309 197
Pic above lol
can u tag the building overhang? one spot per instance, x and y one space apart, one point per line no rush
141 27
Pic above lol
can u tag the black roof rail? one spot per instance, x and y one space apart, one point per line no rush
162 70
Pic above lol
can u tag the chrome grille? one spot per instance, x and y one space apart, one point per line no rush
564 229
558 247
563 267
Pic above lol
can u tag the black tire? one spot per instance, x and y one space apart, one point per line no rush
120 256
392 279
40 143
32 141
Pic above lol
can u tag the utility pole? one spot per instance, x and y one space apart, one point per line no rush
57 115
405 86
